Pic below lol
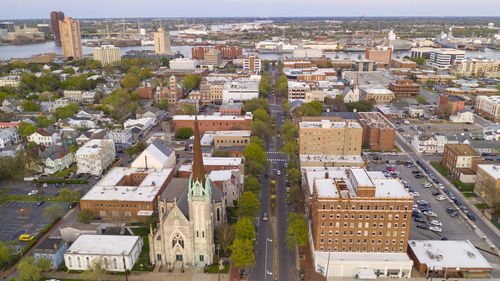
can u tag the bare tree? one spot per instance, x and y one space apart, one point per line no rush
224 235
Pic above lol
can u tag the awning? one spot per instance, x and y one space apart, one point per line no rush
144 213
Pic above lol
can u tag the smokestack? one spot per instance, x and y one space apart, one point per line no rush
146 161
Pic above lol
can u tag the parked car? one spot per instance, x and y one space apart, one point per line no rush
40 203
440 197
430 214
422 226
26 237
435 193
471 217
421 220
436 229
436 223
45 185
415 194
264 217
33 192
453 214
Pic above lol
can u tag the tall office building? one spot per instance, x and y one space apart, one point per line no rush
55 17
71 41
162 42
107 54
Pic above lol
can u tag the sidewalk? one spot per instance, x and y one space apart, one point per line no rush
147 276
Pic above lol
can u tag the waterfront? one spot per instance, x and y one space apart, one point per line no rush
24 51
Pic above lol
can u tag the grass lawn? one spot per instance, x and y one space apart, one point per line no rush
141 231
460 185
214 268
480 206
441 169
143 258
65 172
469 194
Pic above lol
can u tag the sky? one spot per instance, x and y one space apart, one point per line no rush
29 9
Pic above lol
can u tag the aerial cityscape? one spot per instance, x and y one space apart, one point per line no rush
322 141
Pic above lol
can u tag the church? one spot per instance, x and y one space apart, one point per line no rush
188 214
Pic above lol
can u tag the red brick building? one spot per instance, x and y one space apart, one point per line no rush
213 122
453 104
378 132
405 88
214 164
227 52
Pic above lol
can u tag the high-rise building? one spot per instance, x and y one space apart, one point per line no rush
327 137
488 107
55 17
71 41
212 57
8 25
107 54
381 54
252 63
162 42
445 58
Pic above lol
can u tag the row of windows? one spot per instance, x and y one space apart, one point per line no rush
372 249
366 225
396 217
365 233
365 241
116 205
362 205
232 141
314 147
324 133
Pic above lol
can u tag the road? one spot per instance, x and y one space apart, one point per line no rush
264 268
485 229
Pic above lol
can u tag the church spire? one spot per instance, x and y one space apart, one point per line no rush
198 168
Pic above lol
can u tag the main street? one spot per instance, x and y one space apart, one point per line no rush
264 268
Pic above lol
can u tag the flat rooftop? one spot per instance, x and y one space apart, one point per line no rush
103 245
215 116
93 146
374 120
448 254
328 124
384 188
462 149
363 256
240 133
492 170
108 188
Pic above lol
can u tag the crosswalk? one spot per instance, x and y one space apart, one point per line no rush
277 160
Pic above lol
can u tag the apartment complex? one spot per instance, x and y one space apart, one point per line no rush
488 107
477 67
126 193
227 52
95 156
297 90
162 42
378 94
361 218
55 17
107 55
381 54
378 132
445 58
252 63
461 160
216 122
327 137
212 57
71 41
488 184
403 63
405 88
182 63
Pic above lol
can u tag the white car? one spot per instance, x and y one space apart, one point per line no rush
441 197
427 185
430 214
45 185
278 172
436 223
33 192
436 229
415 194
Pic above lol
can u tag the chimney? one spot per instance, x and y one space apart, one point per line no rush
146 161
326 175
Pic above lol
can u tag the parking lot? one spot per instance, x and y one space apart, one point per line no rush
19 217
23 188
447 129
453 228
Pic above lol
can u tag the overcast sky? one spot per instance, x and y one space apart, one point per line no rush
27 9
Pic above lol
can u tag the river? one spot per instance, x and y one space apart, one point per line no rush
24 51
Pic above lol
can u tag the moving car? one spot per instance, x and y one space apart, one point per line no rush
471 217
264 217
26 237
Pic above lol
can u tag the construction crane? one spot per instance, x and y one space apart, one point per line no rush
349 39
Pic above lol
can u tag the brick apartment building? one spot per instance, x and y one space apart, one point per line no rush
216 122
378 132
380 54
453 104
126 194
405 88
403 63
227 52
461 160
355 210
327 137
488 184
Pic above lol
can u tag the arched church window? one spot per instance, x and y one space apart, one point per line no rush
178 240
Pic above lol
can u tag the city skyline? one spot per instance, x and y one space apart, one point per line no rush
260 8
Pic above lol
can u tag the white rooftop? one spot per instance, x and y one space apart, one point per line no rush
376 90
492 170
363 256
93 146
448 254
207 139
103 245
327 124
221 175
107 189
215 116
241 133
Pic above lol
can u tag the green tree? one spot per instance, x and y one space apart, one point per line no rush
224 236
67 111
420 99
163 104
419 60
191 81
45 264
297 232
145 73
5 253
122 102
288 131
28 270
245 229
294 176
85 216
130 81
360 106
43 122
261 129
73 149
242 252
248 205
30 129
136 149
285 106
311 109
53 211
252 184
185 133
95 271
289 148
257 140
429 84
188 109
30 106
260 115
256 103
67 195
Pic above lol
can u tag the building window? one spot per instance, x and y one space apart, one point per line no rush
202 258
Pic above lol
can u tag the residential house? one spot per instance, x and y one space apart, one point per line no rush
139 127
430 144
230 182
95 156
487 184
492 133
56 158
52 249
11 105
121 138
9 136
68 136
463 117
78 122
73 230
44 137
158 155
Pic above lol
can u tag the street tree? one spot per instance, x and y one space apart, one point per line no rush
53 211
188 109
259 141
28 270
45 264
293 175
252 184
260 115
245 229
288 131
289 148
261 129
137 148
297 232
191 81
256 103
243 254
85 216
224 235
285 107
248 205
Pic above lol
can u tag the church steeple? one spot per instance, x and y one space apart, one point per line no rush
198 168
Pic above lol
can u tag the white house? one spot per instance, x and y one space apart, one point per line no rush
56 158
95 156
429 144
121 138
43 137
157 155
79 122
9 136
463 117
415 112
230 182
492 133
114 252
